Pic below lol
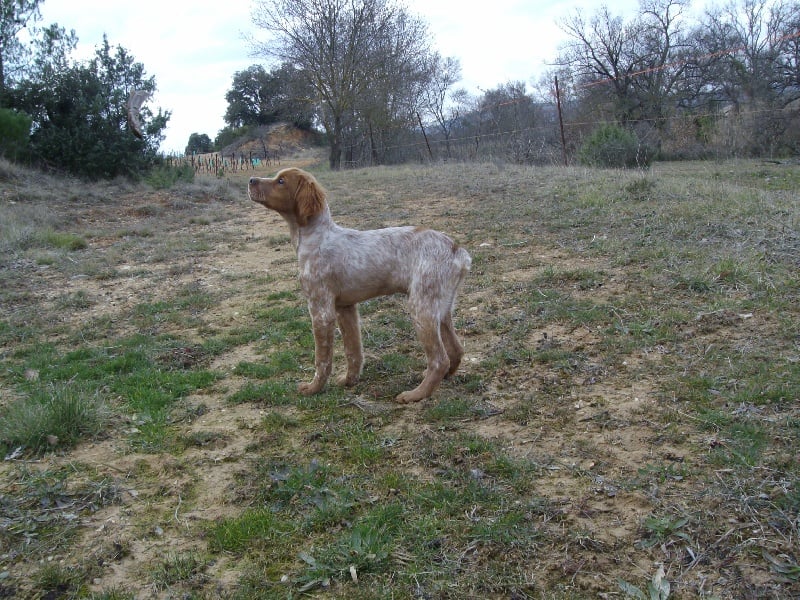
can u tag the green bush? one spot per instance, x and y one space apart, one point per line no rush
229 135
165 176
15 134
80 117
615 147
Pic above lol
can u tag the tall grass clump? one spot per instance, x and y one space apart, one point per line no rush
52 416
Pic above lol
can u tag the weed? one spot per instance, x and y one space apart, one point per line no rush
112 594
270 393
42 516
457 408
660 529
63 241
58 581
359 551
184 568
785 567
166 176
641 189
250 530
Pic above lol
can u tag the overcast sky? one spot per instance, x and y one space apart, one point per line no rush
193 47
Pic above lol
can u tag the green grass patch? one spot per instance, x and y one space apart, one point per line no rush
270 393
63 241
55 415
65 396
252 530
185 569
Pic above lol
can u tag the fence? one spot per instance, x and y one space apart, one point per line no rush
218 163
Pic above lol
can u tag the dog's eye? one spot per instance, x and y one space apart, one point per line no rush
281 180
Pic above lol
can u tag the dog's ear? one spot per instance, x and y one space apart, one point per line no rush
309 198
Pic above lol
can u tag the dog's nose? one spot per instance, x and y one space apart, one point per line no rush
253 180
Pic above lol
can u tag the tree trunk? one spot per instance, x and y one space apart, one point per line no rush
335 158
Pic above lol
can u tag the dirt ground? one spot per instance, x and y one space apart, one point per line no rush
603 431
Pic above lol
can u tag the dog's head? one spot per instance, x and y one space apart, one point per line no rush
293 193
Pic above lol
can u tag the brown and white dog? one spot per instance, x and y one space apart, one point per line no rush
341 267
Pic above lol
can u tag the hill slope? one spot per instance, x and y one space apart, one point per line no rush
276 141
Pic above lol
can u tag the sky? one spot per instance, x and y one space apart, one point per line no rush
194 47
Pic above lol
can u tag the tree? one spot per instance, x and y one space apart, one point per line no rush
199 143
15 15
247 98
751 49
258 97
80 118
15 133
398 80
508 108
633 69
445 73
750 57
348 51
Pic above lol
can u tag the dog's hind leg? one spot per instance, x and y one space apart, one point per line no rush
455 351
428 325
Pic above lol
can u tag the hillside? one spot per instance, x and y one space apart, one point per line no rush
277 141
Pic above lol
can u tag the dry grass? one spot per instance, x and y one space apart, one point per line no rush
627 405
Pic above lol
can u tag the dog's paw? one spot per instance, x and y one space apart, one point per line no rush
409 397
308 389
347 380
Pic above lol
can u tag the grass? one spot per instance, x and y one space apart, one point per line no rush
625 420
52 415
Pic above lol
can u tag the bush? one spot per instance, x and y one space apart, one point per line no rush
81 118
15 134
165 176
229 135
615 147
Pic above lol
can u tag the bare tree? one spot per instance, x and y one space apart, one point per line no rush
634 68
347 49
445 73
388 111
749 55
787 64
750 51
599 57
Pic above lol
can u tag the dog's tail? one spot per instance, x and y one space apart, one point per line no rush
462 260
461 264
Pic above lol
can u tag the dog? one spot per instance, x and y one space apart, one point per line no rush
341 267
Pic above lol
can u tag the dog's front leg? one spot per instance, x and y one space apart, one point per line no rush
350 327
323 319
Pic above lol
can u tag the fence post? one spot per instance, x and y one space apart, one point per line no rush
425 135
561 123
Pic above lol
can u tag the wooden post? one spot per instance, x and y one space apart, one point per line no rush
425 135
561 123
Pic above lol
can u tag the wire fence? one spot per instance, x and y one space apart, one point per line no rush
545 136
